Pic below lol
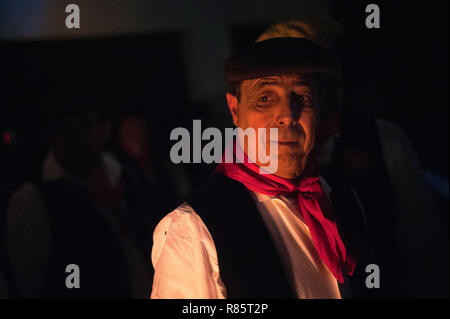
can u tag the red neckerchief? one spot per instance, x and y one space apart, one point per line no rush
314 207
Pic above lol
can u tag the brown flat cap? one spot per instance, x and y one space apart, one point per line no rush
276 57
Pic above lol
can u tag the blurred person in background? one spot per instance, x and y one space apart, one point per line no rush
156 185
78 213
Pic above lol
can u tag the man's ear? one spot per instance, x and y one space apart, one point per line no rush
232 105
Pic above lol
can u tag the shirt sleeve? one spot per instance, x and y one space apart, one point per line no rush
27 240
185 259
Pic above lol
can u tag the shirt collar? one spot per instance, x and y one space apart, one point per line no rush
263 197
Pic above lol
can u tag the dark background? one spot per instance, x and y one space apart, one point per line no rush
398 73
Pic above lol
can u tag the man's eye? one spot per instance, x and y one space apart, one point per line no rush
265 100
306 100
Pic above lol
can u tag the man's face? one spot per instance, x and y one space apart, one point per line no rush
79 147
285 102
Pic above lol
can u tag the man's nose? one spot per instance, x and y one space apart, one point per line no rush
291 110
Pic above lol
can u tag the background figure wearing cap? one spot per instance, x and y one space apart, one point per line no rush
373 160
249 235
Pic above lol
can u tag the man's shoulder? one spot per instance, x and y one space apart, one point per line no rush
182 229
26 197
217 191
184 212
185 215
390 133
215 183
395 143
26 189
210 206
27 214
182 222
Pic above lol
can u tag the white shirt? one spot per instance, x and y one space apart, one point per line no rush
185 259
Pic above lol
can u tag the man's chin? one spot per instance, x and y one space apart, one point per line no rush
291 151
290 163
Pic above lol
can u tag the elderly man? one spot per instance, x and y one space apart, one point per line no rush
246 234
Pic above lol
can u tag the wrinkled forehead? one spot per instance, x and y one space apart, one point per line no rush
308 80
